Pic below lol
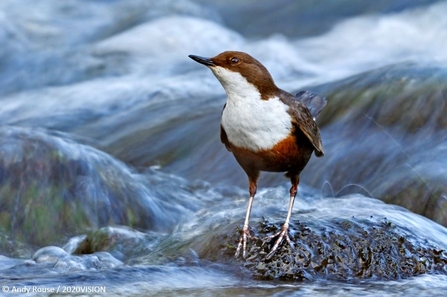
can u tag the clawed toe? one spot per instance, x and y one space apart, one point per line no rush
243 242
283 233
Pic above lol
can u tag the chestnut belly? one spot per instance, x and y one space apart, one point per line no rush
290 154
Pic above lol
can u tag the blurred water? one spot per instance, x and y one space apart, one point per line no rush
106 123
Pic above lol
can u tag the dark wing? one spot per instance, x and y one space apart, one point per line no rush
303 119
223 135
314 103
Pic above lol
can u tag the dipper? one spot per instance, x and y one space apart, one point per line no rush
266 128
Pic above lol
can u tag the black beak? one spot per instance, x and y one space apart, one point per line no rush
202 60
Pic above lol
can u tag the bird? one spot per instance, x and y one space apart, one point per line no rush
266 128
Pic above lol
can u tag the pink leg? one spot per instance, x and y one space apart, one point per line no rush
246 229
284 232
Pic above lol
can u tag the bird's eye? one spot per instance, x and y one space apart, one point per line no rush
234 60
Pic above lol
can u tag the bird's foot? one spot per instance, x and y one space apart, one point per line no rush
246 233
283 233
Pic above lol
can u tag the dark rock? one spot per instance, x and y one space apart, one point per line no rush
338 249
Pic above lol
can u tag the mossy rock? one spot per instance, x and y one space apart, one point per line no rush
52 188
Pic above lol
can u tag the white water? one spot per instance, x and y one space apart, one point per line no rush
92 73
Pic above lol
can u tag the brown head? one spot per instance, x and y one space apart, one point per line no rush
228 65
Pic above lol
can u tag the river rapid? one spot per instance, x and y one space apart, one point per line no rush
113 179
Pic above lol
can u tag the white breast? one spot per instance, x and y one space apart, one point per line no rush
249 121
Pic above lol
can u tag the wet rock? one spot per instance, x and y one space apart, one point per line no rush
121 242
52 259
384 136
404 95
50 254
339 239
48 180
347 249
340 250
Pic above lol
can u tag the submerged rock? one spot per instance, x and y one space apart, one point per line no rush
384 136
121 242
52 260
52 187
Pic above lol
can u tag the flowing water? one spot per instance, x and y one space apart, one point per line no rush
113 179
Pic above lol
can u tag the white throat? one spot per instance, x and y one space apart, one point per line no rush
249 121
